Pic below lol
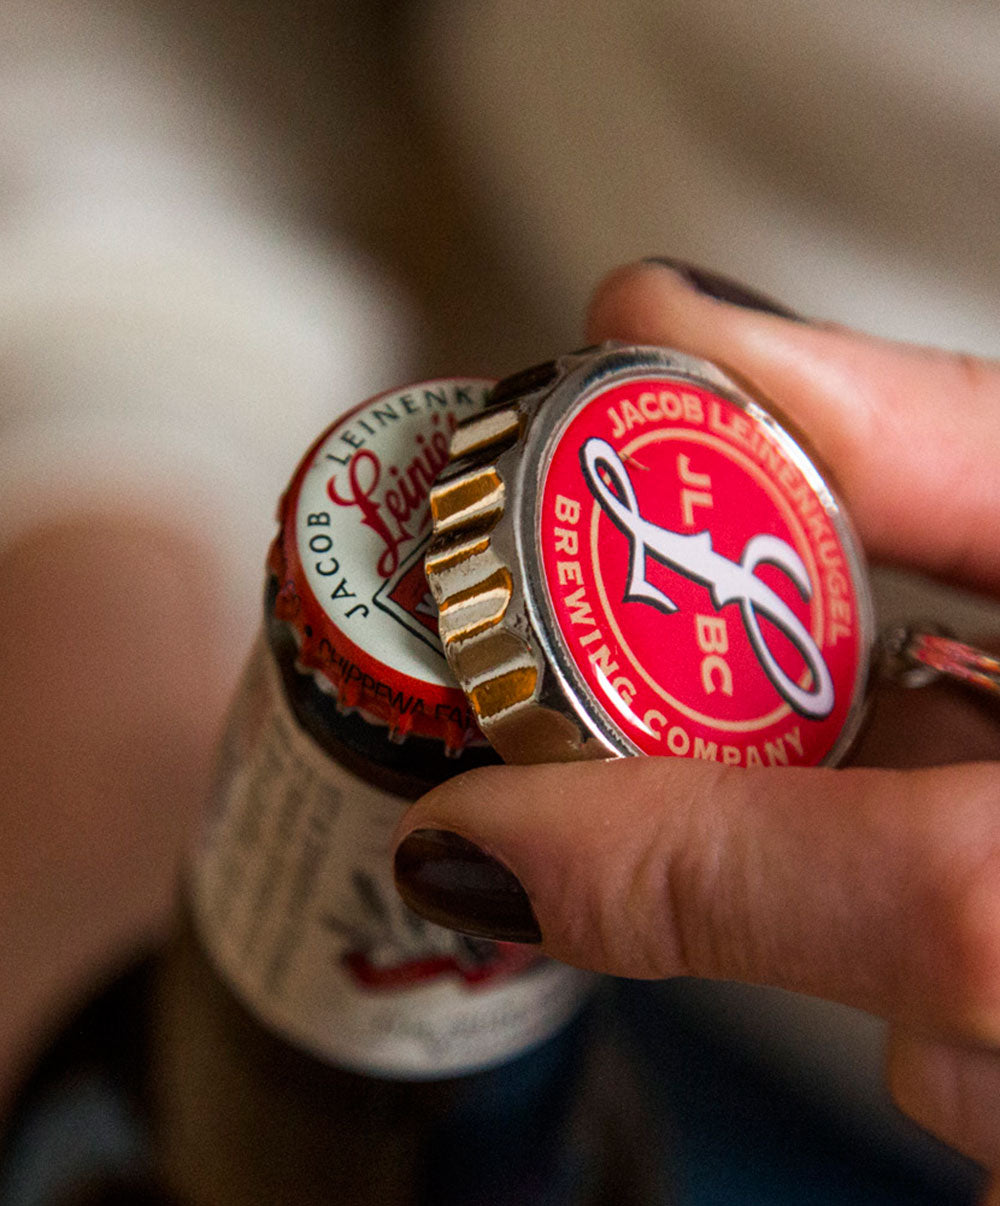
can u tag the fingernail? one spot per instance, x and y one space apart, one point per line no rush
449 880
723 288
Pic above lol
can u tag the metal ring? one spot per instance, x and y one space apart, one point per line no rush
917 655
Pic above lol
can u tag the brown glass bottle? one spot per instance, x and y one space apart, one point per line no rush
310 1039
241 1115
305 1038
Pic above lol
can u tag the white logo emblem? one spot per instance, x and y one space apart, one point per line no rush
727 581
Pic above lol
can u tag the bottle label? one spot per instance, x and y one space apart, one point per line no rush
294 899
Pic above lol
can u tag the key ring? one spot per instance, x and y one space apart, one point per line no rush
915 656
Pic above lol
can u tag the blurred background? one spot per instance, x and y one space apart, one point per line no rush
222 223
364 192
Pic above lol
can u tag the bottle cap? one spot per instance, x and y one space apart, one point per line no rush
634 554
348 561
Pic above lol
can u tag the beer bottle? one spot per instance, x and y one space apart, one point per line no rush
372 1056
305 1037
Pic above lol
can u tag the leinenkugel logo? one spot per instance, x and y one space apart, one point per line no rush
407 598
727 581
701 587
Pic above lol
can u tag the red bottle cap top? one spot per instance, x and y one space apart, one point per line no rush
348 560
667 571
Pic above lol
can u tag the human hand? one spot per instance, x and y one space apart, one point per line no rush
879 888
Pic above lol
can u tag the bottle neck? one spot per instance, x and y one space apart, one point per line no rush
292 894
407 768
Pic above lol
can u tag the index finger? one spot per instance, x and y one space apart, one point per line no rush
911 435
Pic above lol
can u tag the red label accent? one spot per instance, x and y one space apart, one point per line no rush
504 961
699 585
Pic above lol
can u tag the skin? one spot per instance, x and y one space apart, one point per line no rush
880 887
113 678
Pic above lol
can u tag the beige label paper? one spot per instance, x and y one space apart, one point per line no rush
294 900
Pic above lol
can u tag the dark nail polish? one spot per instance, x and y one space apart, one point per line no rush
724 289
449 880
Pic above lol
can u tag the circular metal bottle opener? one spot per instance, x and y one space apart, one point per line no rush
634 555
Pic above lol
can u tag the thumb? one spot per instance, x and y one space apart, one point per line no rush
877 888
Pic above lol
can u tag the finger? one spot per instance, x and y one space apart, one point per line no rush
940 724
950 1090
880 889
912 435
